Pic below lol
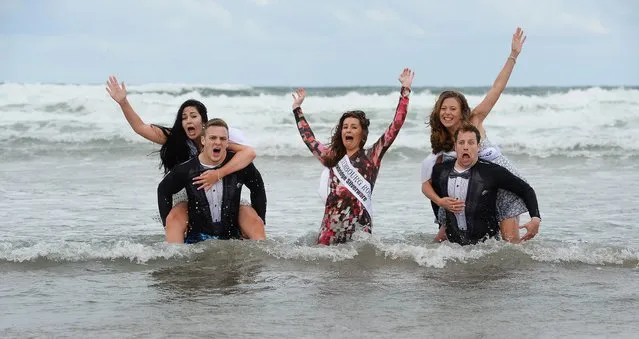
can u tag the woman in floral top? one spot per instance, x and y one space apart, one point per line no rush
353 169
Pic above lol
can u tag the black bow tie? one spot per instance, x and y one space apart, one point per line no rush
455 174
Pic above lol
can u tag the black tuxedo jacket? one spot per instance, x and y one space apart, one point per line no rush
481 199
200 220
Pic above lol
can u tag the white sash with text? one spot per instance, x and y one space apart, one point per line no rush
350 177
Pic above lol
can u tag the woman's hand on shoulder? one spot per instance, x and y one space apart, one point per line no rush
207 179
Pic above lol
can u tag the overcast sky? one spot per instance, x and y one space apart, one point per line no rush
318 43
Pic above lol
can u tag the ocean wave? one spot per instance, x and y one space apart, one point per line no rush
368 249
540 122
178 89
93 100
118 145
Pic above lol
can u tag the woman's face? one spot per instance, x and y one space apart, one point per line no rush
450 114
351 133
192 122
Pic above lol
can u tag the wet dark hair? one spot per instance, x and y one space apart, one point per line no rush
338 150
467 127
440 137
176 149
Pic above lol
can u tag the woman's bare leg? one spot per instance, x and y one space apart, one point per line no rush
510 230
176 223
251 224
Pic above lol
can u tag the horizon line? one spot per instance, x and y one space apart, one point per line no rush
318 86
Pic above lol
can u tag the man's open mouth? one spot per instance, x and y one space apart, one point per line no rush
216 151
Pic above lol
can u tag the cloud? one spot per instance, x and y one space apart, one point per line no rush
378 19
210 40
255 30
587 25
61 46
382 15
342 16
157 20
194 16
558 18
9 6
198 12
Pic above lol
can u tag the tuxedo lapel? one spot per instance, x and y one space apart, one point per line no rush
444 180
207 210
473 195
200 195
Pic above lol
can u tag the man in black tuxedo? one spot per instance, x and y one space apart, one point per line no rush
213 214
476 183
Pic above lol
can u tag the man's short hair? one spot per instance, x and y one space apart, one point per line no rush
468 128
216 122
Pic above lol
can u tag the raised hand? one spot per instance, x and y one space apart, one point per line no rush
116 91
298 97
406 78
518 42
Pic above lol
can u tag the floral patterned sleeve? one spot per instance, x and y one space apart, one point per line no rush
316 147
386 140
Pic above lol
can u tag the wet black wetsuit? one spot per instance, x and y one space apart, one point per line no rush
201 225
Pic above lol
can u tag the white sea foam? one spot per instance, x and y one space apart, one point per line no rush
427 255
589 122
